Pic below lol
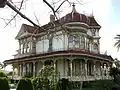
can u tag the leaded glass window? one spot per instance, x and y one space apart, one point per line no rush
82 44
74 41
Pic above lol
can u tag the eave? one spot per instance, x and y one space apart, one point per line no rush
61 53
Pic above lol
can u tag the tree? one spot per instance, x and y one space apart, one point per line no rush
47 79
117 43
114 72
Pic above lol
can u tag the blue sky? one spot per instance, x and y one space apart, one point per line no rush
106 12
115 12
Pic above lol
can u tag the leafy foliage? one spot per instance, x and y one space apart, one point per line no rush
47 71
24 84
114 72
2 74
47 79
4 83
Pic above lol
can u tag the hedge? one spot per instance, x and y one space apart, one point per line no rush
2 74
24 84
4 84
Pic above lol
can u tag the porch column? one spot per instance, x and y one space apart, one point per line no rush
101 68
71 67
94 62
54 64
85 67
43 62
34 67
20 66
28 68
108 69
24 69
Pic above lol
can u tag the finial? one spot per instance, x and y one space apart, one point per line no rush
73 10
92 14
73 4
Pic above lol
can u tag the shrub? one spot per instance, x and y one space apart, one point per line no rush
4 84
2 74
64 84
24 84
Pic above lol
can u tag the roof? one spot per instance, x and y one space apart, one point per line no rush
74 16
66 52
31 29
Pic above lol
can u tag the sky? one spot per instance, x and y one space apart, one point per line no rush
106 13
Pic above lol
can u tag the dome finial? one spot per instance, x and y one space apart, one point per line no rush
73 9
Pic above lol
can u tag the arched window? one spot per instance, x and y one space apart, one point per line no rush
82 44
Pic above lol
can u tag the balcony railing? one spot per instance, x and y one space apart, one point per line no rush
86 78
60 49
73 78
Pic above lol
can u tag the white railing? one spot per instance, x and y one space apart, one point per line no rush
86 78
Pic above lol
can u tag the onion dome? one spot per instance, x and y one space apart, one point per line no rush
74 16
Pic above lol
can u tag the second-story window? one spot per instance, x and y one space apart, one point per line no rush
28 47
70 41
77 41
73 41
82 44
21 49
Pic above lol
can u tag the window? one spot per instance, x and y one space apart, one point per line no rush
93 32
21 48
71 41
28 47
25 47
74 41
77 41
82 44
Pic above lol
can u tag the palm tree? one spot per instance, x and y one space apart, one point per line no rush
117 43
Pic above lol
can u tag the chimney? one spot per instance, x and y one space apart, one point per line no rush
52 18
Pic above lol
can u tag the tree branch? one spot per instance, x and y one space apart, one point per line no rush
16 13
23 16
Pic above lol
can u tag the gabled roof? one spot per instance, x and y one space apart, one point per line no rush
27 30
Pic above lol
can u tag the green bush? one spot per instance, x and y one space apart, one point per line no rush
4 84
24 84
2 74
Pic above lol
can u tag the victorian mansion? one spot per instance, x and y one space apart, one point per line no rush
71 45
